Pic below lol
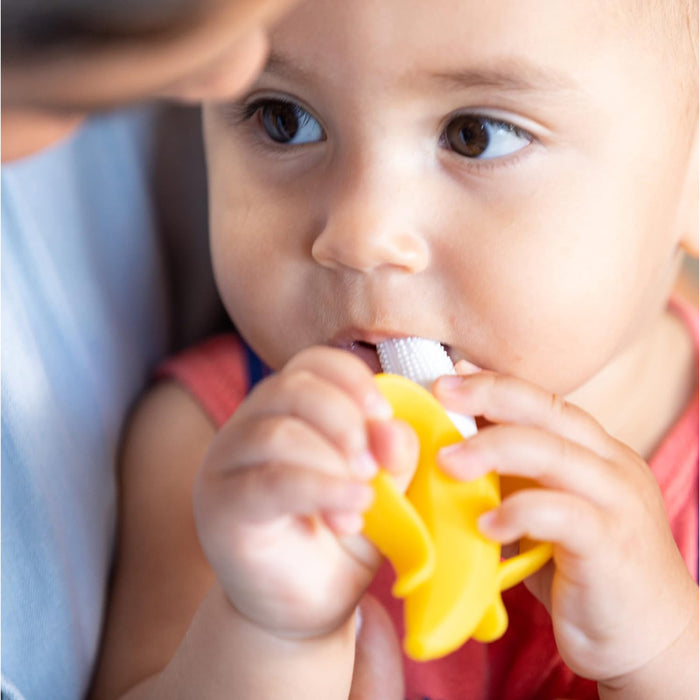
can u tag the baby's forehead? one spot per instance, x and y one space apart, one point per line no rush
669 27
398 41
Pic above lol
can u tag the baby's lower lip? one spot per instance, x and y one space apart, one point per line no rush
368 354
450 354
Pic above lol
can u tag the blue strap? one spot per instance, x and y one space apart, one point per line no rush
257 369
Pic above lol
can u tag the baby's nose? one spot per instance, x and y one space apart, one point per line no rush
366 249
369 226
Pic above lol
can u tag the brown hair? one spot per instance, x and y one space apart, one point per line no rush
32 25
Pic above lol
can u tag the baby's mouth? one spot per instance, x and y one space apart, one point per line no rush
367 352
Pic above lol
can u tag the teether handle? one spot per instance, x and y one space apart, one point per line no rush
512 571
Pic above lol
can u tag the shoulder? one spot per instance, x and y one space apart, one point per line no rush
165 441
172 425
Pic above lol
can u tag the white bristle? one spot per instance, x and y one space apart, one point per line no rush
422 360
419 359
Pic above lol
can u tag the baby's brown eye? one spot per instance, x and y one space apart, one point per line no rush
280 121
482 138
467 135
288 123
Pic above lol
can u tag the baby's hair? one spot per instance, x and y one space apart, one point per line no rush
32 25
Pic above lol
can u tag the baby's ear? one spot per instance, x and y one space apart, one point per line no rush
689 213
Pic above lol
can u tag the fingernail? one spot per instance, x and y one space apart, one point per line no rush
358 620
360 496
461 463
449 451
464 367
377 407
364 465
345 522
450 382
486 522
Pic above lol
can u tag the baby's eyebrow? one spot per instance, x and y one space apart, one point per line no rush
284 67
510 74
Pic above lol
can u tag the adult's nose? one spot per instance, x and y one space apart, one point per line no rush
372 220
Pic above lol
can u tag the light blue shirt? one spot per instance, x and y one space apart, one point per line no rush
84 318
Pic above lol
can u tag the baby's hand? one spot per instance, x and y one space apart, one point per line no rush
279 500
618 591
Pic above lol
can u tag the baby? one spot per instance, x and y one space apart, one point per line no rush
517 180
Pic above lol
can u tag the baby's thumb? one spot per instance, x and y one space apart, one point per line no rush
395 446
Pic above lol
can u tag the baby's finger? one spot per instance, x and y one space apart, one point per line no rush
347 372
395 446
249 441
532 453
267 491
344 522
564 519
320 404
504 399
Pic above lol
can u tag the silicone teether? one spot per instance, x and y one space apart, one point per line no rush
397 530
449 574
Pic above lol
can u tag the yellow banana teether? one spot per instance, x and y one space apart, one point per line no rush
450 575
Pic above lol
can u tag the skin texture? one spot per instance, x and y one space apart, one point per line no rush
545 267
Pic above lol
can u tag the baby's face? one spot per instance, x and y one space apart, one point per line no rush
505 177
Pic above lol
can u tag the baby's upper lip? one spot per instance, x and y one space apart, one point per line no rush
347 336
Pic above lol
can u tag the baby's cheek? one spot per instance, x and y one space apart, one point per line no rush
539 339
